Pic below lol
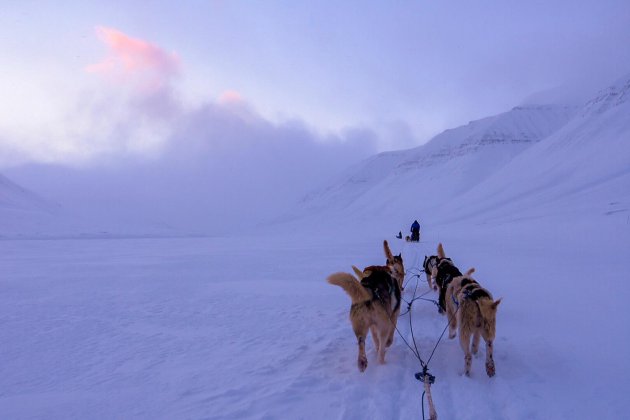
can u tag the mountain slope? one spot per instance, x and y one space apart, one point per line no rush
583 167
14 197
448 165
21 211
524 160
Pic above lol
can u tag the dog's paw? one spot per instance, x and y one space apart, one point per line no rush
490 370
451 335
362 363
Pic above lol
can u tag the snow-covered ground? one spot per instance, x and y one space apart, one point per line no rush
247 327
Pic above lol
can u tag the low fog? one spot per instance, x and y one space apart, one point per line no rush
222 168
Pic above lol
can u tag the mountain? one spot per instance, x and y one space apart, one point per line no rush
25 214
583 168
522 159
22 211
16 198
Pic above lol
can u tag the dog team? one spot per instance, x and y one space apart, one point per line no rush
376 293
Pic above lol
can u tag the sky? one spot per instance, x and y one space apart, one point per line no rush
403 70
283 92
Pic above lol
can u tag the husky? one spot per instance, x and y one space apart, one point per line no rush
376 296
393 262
428 265
443 274
395 265
472 308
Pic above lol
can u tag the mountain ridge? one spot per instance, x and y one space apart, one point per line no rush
529 155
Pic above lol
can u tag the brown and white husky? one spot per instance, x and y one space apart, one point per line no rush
376 296
472 308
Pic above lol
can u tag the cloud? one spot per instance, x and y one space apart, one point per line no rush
230 97
218 172
132 60
207 167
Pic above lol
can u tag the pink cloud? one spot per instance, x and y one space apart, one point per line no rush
231 97
134 60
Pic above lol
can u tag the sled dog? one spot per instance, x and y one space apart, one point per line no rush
443 274
472 308
428 265
375 303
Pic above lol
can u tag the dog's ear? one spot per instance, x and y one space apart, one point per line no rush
496 303
470 271
358 272
440 251
388 252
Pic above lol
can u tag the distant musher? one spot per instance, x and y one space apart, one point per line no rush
415 231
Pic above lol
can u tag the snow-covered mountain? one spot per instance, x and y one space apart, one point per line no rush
523 158
15 197
26 214
22 211
583 168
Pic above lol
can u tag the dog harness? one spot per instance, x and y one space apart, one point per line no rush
471 290
446 273
381 283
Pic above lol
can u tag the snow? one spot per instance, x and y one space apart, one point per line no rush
246 326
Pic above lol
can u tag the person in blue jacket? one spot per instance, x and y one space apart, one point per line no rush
415 231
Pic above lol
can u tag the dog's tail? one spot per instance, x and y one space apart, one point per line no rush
388 252
440 251
352 287
470 271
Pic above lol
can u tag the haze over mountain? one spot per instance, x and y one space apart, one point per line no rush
525 159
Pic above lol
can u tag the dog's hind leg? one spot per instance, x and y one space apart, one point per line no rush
490 369
475 343
452 322
451 314
375 338
464 341
361 330
390 338
392 329
442 299
429 280
383 338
